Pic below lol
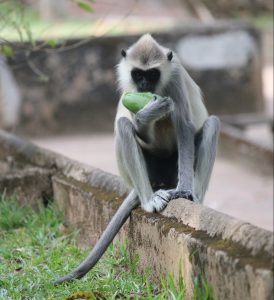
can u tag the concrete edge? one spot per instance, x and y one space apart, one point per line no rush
215 223
243 150
32 185
24 152
232 133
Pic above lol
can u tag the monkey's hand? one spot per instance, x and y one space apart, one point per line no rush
154 111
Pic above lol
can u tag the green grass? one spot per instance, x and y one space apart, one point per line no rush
35 249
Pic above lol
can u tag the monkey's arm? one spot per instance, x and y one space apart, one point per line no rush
152 112
108 235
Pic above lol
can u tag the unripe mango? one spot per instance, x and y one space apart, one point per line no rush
136 101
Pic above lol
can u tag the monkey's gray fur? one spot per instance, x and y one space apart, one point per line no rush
164 151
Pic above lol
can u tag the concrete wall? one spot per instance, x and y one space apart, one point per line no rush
233 256
73 88
246 152
233 8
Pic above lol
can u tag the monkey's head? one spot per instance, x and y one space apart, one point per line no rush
145 66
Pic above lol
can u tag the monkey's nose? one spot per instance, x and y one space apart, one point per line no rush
144 86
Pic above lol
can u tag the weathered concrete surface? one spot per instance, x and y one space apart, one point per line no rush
234 257
217 224
232 8
87 208
32 185
79 85
162 243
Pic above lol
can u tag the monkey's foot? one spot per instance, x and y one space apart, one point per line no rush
157 202
174 194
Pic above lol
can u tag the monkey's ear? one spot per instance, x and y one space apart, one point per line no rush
169 55
123 53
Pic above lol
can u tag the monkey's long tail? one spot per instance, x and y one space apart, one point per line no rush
123 212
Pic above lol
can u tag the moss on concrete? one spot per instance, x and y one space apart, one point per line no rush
262 260
98 193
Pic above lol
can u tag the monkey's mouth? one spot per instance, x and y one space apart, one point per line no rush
145 86
146 89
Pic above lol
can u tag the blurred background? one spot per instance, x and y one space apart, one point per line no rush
58 83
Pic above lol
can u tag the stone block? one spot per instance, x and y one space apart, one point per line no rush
85 207
227 68
30 185
244 151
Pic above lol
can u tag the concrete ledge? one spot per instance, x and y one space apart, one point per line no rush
216 224
32 185
85 207
163 243
19 153
245 151
233 256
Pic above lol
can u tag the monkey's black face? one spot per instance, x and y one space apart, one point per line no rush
146 80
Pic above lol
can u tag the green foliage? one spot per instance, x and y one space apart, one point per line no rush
263 21
14 15
20 22
6 51
52 43
84 6
201 290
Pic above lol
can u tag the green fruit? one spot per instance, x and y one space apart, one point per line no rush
136 101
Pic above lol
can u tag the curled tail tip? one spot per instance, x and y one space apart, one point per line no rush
66 278
59 281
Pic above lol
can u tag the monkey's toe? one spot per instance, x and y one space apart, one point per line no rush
158 201
174 194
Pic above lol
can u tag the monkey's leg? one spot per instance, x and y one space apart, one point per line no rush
106 238
186 152
205 153
131 160
185 142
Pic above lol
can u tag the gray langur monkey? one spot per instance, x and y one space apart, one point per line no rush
164 151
